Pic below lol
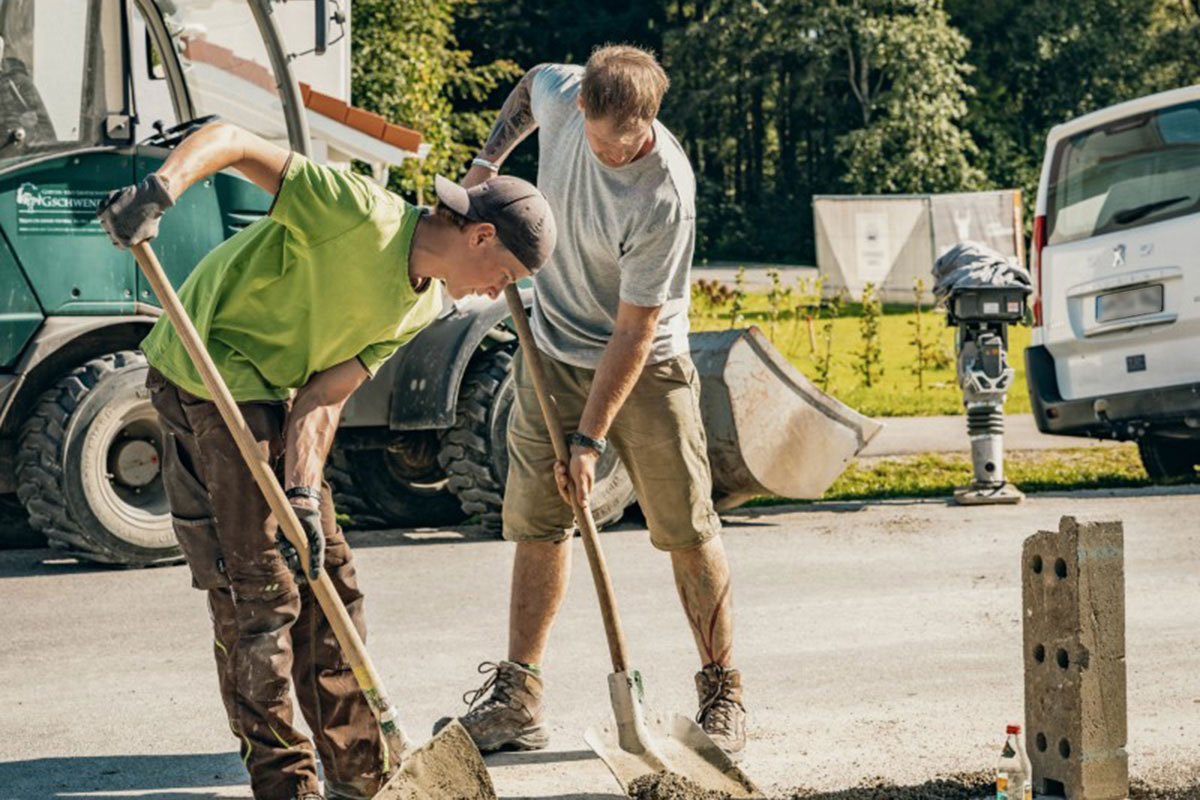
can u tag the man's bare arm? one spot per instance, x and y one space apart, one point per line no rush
513 124
619 368
219 146
313 421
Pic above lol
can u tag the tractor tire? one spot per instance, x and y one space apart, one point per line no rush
401 486
1169 459
475 450
89 466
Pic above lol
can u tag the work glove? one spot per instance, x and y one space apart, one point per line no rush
310 522
130 215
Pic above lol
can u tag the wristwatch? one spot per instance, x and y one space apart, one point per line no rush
303 491
583 440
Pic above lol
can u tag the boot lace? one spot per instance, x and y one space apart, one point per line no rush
717 708
499 682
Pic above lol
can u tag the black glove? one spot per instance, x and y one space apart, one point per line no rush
130 215
310 521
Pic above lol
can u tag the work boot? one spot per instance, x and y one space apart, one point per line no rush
510 718
722 715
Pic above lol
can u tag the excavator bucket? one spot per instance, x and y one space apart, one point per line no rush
770 430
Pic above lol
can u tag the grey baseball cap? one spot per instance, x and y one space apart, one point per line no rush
523 219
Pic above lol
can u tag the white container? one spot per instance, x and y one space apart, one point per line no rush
1014 773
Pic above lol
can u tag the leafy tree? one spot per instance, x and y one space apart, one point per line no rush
775 101
903 63
408 67
1037 64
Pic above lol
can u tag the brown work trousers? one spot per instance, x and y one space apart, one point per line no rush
270 635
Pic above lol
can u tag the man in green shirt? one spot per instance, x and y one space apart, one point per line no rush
297 311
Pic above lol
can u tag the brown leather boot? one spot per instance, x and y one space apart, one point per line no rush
722 715
510 718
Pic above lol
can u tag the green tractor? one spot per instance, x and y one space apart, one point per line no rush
95 100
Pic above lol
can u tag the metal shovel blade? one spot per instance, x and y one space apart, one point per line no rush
447 767
641 744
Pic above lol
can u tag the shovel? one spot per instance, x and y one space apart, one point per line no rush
640 744
449 766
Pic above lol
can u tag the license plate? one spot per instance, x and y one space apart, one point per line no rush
1129 303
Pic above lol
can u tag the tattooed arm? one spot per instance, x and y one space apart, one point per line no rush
514 123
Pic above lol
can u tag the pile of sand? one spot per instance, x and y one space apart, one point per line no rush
975 786
966 786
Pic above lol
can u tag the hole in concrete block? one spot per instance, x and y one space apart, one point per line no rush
1039 653
1036 563
989 467
1041 742
1055 788
1064 660
1060 568
1064 748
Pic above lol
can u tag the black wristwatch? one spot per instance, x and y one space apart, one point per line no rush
583 440
303 491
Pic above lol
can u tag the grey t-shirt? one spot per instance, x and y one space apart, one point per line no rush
624 233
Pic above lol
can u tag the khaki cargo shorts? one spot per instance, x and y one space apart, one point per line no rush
657 434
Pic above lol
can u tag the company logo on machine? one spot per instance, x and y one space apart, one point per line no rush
1118 256
59 210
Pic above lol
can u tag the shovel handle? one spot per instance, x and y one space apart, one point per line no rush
322 588
583 514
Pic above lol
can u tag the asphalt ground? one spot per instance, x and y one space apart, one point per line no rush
876 639
948 434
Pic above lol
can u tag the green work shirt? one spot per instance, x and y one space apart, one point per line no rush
322 279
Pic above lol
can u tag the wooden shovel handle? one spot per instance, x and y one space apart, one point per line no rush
335 611
583 514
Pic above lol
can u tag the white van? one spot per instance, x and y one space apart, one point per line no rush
1116 263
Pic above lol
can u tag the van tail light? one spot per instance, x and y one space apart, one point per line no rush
1039 241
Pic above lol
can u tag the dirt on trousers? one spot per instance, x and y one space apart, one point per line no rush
963 786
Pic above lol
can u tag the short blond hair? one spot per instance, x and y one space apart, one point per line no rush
624 84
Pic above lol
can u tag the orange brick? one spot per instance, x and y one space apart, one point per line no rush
365 121
399 136
328 105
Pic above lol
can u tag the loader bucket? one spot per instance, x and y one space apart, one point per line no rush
770 430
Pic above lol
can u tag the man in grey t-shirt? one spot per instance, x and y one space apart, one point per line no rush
610 315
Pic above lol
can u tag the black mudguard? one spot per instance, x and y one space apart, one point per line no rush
417 388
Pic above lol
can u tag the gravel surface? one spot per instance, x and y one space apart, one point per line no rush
876 639
962 786
1141 790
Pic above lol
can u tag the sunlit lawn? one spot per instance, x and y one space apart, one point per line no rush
938 474
895 392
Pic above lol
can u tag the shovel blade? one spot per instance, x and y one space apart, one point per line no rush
447 767
638 743
678 746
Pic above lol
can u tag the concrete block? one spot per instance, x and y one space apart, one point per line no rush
1073 588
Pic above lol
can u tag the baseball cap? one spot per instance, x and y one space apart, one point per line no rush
520 213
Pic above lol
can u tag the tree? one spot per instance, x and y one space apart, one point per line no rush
904 65
408 67
1039 64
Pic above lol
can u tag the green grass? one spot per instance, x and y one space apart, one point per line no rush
896 393
937 475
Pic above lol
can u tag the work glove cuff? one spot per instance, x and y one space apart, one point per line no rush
154 189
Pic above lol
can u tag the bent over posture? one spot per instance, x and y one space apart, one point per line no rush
297 310
610 315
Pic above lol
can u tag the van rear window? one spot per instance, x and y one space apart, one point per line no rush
1133 171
